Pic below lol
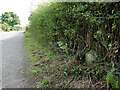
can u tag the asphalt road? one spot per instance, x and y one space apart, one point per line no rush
13 60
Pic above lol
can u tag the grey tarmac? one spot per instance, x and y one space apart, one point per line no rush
14 60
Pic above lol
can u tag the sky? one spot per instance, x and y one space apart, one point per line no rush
20 7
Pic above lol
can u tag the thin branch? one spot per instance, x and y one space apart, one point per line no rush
71 80
83 39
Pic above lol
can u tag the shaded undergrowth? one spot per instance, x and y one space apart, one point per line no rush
55 69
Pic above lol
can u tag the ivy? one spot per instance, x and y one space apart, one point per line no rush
75 26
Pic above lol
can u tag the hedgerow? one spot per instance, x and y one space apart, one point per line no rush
77 28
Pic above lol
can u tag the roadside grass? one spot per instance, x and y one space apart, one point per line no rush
46 64
32 46
53 69
45 83
43 62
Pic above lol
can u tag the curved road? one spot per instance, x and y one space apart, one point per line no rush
14 61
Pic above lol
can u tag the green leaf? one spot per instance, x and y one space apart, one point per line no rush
99 32
80 87
113 69
109 78
95 35
117 85
116 51
58 69
119 56
72 70
110 45
113 26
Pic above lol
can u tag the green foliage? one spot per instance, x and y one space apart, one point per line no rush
28 35
111 79
33 72
66 26
5 27
62 23
10 18
27 27
43 84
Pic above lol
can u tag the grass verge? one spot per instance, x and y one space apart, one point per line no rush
53 69
44 63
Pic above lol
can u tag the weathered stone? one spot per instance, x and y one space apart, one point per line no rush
90 56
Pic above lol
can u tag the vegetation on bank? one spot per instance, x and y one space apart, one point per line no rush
77 44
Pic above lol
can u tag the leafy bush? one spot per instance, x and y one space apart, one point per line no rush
10 18
77 28
5 27
70 23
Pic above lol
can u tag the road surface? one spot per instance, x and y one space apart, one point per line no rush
13 60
